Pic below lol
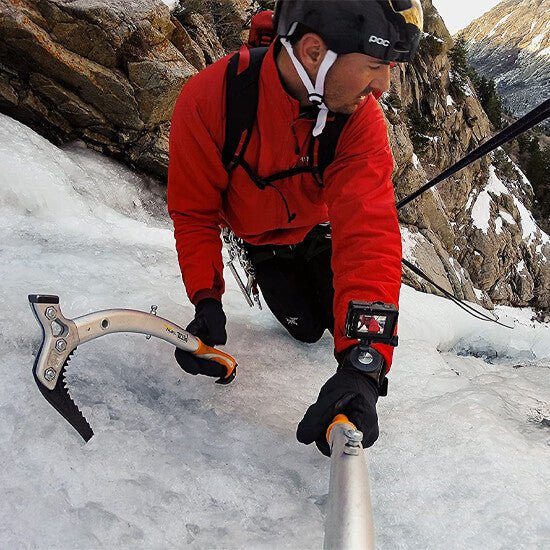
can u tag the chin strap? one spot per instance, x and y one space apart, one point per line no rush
315 93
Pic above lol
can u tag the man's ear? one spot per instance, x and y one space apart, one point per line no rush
310 51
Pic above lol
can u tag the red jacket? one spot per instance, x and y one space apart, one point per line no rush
357 199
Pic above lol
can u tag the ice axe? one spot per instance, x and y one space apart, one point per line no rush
61 336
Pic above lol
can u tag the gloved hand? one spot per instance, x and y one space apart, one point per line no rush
209 326
209 322
350 392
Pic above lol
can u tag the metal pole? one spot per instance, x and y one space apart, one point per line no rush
349 524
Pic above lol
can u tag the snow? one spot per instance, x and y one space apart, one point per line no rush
470 201
450 101
498 225
481 211
458 269
522 176
433 37
410 240
171 3
500 22
506 216
416 162
535 42
494 185
530 229
178 461
479 293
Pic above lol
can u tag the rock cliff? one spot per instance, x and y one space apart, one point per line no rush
96 70
511 44
109 75
473 234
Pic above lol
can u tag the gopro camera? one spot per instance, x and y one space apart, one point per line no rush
371 322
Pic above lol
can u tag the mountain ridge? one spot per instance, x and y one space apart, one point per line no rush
510 44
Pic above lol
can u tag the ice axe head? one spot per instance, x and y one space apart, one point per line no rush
59 341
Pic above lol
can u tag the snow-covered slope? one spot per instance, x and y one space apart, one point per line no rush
178 461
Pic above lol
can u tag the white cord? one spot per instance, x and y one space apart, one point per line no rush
315 92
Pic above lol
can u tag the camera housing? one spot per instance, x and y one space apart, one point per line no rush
371 322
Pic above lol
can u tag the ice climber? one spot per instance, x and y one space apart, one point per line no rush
317 238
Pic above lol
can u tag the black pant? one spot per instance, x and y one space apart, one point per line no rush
296 283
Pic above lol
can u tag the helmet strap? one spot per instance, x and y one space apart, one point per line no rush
315 92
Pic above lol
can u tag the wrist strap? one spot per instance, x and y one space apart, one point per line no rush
369 362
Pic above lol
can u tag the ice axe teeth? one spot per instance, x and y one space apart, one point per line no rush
60 399
63 373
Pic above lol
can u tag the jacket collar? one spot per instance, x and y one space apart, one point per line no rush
272 91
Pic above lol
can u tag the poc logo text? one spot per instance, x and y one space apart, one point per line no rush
379 41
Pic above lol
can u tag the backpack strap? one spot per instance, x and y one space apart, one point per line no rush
242 78
242 94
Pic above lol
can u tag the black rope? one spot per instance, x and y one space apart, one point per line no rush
291 215
534 117
262 183
460 303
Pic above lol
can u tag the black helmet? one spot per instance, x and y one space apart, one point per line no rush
386 29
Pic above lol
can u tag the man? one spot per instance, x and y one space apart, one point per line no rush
315 246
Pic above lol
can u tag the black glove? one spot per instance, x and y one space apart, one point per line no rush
209 322
350 392
209 326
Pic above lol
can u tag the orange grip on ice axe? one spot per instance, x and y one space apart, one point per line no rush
207 352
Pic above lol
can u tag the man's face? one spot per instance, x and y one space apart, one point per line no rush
351 78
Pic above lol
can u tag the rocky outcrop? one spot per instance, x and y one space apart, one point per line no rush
96 70
511 44
109 75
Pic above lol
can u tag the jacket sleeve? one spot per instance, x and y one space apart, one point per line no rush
366 240
196 181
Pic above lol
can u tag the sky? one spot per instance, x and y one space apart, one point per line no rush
179 461
458 15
